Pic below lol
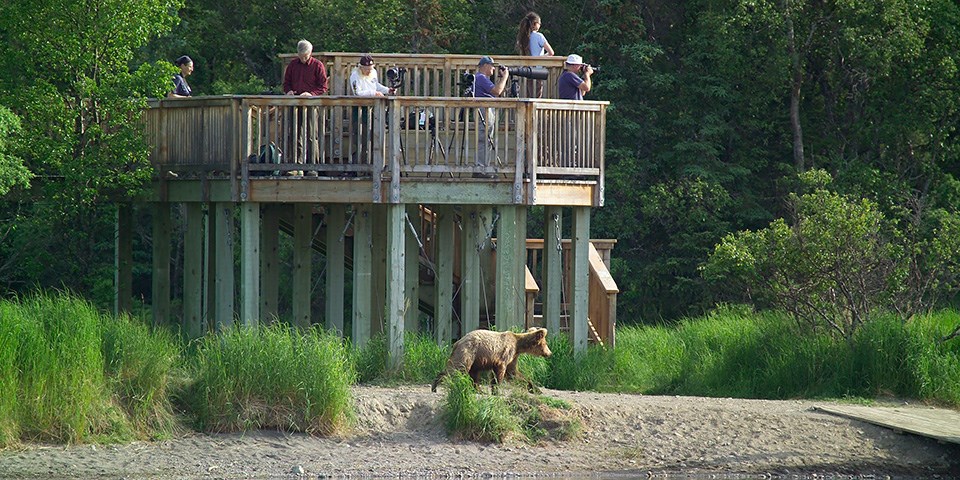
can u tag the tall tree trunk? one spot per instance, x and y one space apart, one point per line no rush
796 82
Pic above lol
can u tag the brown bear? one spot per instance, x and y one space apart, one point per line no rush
482 350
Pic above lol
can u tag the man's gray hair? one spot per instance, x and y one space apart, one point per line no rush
304 47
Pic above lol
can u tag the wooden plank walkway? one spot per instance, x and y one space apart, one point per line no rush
938 423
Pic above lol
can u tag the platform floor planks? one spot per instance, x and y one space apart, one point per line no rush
937 423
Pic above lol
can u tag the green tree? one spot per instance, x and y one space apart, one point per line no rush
12 170
837 263
65 72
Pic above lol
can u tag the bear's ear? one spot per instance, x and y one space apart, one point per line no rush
540 334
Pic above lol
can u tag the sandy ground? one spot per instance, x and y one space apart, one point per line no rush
400 433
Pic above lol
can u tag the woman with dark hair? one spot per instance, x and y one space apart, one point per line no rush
180 87
531 42
529 39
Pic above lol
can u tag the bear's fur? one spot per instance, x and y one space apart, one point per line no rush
482 350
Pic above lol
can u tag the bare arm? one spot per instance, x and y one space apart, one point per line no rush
501 83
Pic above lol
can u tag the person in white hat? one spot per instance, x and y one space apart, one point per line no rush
570 86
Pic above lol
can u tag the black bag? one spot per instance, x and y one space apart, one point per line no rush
270 154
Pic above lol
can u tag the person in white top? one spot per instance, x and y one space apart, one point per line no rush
531 42
529 39
364 81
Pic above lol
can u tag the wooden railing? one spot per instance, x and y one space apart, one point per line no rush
416 136
433 75
603 290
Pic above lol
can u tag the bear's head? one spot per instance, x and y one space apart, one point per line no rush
534 342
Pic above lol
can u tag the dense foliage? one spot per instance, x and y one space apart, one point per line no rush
716 107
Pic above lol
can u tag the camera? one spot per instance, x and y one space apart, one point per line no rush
395 76
536 73
501 68
466 84
583 68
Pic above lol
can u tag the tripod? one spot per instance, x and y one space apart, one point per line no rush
467 90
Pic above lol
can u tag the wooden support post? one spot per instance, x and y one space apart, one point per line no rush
210 269
520 303
302 257
336 266
362 274
552 269
411 318
443 242
470 270
193 272
507 284
123 260
378 275
162 229
488 267
224 299
580 278
396 304
250 264
270 262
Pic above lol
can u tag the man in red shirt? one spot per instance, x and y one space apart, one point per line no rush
305 76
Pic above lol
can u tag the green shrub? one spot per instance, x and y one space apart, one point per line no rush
272 377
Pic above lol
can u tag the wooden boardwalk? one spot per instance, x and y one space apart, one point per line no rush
937 423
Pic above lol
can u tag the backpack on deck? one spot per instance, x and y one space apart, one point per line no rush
271 154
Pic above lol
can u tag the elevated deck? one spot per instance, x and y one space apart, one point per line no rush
356 173
379 150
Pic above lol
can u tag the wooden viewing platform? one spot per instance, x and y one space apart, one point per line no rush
424 196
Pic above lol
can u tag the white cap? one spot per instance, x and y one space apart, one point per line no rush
574 59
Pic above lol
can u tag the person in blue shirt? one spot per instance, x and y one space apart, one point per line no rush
483 87
181 88
570 86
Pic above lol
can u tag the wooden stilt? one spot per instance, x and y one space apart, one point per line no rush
397 303
224 241
193 272
336 267
444 247
552 268
580 279
302 258
162 229
250 264
362 274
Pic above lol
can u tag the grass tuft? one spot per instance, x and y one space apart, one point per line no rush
272 377
495 418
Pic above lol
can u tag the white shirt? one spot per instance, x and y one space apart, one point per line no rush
366 86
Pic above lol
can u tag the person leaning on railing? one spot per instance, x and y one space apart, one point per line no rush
531 42
364 83
570 86
181 88
305 76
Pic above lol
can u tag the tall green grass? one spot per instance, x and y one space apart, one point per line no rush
736 353
498 418
272 377
59 381
422 360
